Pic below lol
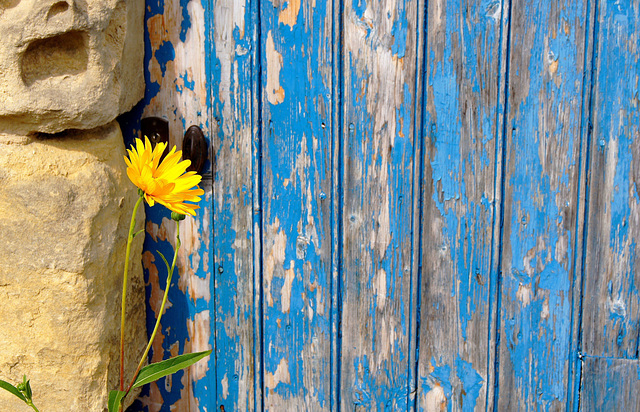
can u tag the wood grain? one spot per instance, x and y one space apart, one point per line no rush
547 41
402 194
233 105
463 92
296 202
610 385
379 138
611 299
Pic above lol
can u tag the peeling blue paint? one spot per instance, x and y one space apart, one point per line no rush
163 55
538 248
442 375
399 34
472 383
554 277
359 7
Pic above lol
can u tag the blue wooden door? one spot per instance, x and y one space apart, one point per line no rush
410 205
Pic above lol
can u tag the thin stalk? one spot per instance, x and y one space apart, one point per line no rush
164 301
124 286
33 406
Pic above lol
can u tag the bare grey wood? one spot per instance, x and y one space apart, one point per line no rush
462 123
234 127
547 42
610 385
379 137
611 301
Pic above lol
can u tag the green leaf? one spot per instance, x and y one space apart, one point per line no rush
158 370
9 387
165 261
115 398
28 394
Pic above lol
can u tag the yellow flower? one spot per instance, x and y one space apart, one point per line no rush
163 181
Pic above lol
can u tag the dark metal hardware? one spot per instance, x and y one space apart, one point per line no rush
156 129
194 148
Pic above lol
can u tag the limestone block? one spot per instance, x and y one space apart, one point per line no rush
66 205
69 64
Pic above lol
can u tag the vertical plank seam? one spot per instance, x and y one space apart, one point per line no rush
575 339
417 205
256 166
210 48
498 218
337 201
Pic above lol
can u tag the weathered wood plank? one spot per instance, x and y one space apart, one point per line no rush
296 202
610 385
177 90
540 202
463 118
379 137
611 296
416 218
575 361
232 106
337 201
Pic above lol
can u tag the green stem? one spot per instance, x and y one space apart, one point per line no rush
164 301
33 406
124 286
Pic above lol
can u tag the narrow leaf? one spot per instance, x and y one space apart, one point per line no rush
28 394
165 261
9 387
161 369
115 398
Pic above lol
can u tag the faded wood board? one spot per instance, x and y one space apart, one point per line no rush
610 385
378 138
542 159
463 88
296 202
611 301
177 90
419 168
233 106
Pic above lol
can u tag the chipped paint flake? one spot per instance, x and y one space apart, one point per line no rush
524 294
289 276
289 15
275 92
281 375
435 399
380 288
275 258
199 338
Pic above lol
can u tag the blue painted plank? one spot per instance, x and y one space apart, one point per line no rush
542 160
611 300
464 87
296 202
233 103
337 201
177 90
582 207
378 136
270 79
610 385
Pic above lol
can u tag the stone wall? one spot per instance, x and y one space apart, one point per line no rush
67 69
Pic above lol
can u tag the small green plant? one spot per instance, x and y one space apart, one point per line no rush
161 179
22 391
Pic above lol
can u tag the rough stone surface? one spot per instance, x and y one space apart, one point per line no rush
68 64
66 204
